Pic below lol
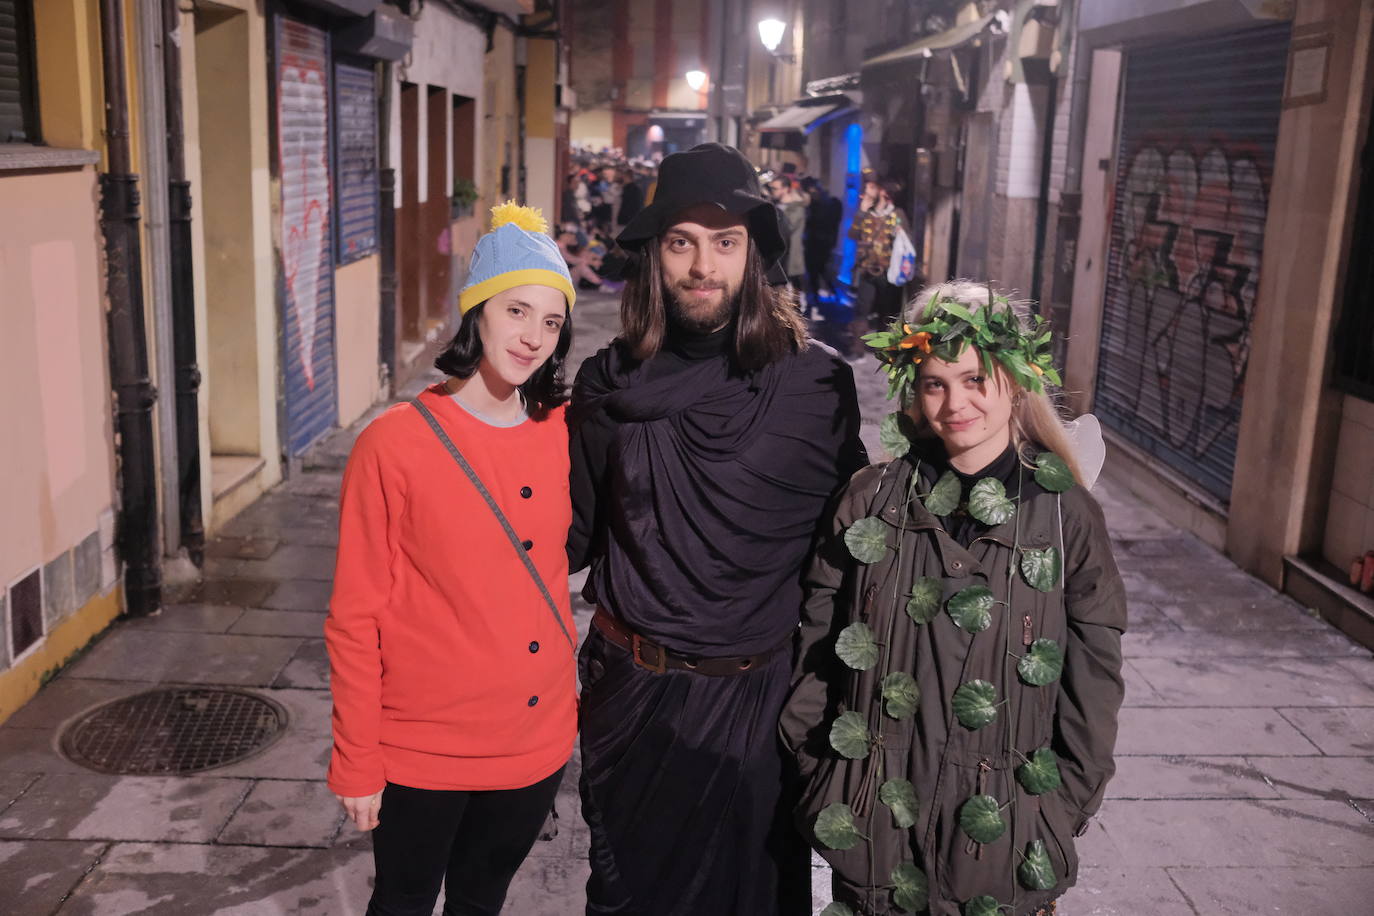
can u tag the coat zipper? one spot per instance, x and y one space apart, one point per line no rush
868 601
1027 630
984 767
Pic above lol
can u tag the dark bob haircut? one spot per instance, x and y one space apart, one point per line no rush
544 390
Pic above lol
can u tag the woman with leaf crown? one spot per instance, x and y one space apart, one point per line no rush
955 702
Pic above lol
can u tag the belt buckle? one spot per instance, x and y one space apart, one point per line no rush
636 647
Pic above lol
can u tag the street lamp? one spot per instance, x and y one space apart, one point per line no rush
770 33
696 79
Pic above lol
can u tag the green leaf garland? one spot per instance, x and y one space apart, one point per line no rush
849 735
911 888
1041 568
900 796
981 818
1036 871
867 539
893 436
943 498
988 502
924 603
1042 664
835 827
900 695
856 646
975 704
971 608
1053 473
1040 773
837 909
982 906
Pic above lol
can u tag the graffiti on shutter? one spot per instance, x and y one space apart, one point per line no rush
355 107
1194 166
306 243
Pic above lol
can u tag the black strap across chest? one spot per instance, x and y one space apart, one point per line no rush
520 550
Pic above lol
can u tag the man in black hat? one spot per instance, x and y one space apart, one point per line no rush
707 439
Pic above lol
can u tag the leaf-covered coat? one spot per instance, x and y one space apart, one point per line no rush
1075 716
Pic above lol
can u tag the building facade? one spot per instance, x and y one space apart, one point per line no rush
231 227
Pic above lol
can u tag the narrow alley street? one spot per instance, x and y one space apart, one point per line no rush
1245 778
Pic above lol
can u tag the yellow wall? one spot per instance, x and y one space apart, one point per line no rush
541 59
54 377
19 684
228 158
71 100
499 122
356 331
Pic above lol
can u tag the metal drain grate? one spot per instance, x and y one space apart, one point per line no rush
173 731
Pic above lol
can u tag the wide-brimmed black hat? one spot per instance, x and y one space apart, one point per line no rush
710 173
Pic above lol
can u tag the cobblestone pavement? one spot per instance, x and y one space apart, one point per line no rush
1245 781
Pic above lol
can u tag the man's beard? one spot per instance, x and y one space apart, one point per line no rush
700 317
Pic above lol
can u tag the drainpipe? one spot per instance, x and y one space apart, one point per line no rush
1042 204
386 186
136 534
183 300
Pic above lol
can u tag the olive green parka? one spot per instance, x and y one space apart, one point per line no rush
1083 612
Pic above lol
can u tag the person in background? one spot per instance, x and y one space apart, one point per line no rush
823 216
792 204
873 228
451 644
631 198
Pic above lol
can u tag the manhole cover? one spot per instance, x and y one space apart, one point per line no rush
172 731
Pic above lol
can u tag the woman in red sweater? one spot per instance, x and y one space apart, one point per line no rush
451 659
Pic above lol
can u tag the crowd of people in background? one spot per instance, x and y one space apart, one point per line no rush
605 189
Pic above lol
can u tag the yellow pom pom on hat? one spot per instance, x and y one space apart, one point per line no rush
516 252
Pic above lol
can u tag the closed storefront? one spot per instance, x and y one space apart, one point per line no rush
306 231
1199 121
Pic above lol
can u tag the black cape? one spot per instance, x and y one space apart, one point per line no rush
697 490
696 494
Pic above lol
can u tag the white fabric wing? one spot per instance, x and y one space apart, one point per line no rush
1085 437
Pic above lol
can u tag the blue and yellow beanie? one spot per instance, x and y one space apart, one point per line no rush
516 252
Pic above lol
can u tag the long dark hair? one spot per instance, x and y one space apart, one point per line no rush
544 390
767 327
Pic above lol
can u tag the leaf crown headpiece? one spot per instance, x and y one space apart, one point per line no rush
949 326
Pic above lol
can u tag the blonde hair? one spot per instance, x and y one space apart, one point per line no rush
1036 419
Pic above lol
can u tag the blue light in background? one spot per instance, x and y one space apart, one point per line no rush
853 139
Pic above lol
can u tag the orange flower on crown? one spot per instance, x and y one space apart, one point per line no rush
921 340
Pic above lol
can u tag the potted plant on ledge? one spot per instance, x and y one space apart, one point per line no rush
463 199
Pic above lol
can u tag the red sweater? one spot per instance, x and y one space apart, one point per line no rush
447 666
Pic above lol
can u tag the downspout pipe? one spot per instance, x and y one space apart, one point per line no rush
183 306
386 203
137 530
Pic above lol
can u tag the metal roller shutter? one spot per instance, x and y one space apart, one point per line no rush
355 106
1198 127
307 244
16 78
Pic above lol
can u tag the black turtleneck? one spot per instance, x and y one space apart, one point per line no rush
1006 467
681 348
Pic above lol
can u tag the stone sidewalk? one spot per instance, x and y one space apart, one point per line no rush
1246 755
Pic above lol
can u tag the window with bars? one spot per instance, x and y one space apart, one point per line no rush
1354 341
18 108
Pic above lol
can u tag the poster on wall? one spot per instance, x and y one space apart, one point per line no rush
306 238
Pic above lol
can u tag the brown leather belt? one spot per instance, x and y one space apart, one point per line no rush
654 657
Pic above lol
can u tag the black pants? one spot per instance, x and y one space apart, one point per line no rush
470 842
879 298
